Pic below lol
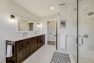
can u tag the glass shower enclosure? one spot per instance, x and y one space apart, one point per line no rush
85 15
79 28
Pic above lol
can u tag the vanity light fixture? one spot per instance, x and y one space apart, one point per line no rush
12 16
39 25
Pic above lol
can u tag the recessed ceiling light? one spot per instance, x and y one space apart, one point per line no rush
52 8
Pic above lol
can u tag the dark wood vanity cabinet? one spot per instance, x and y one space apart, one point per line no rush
26 47
18 51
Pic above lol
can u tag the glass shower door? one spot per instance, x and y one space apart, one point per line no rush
86 31
67 27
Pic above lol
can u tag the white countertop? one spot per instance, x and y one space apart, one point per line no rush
20 38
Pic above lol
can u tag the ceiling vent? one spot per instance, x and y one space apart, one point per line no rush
62 4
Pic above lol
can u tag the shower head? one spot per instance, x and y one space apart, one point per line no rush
90 13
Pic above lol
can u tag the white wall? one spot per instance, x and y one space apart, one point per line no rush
8 29
16 9
3 28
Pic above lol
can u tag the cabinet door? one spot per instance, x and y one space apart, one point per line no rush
32 44
39 41
18 51
26 48
43 39
35 43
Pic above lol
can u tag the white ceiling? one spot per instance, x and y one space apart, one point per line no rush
40 7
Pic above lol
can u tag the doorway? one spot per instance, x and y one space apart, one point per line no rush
51 31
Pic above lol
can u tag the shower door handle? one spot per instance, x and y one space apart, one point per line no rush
82 41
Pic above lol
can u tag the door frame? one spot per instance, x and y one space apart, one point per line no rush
77 31
56 32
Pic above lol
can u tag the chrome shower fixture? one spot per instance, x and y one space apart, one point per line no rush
90 13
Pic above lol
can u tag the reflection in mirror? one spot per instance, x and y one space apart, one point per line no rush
25 25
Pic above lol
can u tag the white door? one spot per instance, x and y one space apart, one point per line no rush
52 31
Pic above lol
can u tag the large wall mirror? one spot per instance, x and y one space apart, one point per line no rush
25 24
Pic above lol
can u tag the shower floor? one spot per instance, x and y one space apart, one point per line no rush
60 58
84 60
